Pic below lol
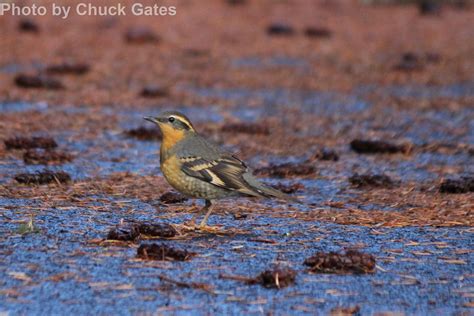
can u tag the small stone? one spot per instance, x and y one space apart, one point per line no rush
141 35
172 198
43 177
38 82
363 146
462 185
162 252
287 169
370 180
68 68
317 32
30 142
144 133
46 157
153 91
30 26
280 29
352 261
275 278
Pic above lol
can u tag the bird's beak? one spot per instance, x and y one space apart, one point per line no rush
151 119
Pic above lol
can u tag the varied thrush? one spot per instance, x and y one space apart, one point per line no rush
199 169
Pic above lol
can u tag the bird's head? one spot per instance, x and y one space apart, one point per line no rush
173 125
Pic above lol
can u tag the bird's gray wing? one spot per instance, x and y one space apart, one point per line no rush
204 160
226 172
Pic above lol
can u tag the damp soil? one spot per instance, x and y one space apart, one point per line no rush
82 195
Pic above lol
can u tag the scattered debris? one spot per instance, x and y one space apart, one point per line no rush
46 157
463 185
288 189
30 142
154 91
68 68
124 233
287 169
280 29
144 133
272 278
352 261
236 2
28 228
43 177
133 231
246 128
371 180
162 252
345 311
325 154
239 216
38 81
429 7
30 26
156 230
276 278
141 35
172 198
363 146
192 285
317 32
409 62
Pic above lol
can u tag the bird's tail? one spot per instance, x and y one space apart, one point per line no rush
267 191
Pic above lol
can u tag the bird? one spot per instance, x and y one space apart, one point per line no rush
198 168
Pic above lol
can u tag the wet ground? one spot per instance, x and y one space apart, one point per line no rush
404 195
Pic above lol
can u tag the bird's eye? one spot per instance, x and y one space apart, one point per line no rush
171 119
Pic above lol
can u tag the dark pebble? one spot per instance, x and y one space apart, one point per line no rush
279 29
162 252
236 2
141 35
462 185
362 146
246 128
275 278
317 32
172 198
325 154
132 232
144 133
124 233
370 180
38 81
287 169
156 230
30 142
46 157
153 91
429 7
43 177
28 26
68 68
288 189
409 62
352 261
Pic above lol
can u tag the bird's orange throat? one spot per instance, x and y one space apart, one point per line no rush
171 137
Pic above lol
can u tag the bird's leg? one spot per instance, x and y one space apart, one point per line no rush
209 207
192 222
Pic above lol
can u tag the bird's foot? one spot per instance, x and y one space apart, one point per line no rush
209 229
